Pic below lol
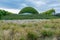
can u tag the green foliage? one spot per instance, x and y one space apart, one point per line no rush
23 25
31 36
29 10
58 14
34 16
4 13
22 39
49 12
47 33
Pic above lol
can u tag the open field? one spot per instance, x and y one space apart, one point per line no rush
42 29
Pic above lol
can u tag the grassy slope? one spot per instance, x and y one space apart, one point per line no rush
20 31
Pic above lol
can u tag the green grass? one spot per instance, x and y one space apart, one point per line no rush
34 16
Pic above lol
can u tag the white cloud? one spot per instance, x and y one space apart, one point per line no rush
37 3
57 9
11 10
53 5
56 6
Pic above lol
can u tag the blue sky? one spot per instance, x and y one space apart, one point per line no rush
41 5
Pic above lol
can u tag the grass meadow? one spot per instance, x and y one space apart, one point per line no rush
30 30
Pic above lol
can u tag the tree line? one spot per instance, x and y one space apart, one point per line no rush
28 10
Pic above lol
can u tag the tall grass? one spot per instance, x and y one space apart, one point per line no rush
30 31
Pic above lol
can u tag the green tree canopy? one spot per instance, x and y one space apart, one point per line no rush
3 13
49 12
29 10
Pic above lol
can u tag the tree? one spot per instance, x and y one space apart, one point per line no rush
4 13
28 10
49 12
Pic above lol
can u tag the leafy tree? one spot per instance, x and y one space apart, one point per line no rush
29 10
3 13
49 12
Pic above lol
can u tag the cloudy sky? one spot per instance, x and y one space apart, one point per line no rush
41 5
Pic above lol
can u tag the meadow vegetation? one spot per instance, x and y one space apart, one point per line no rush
41 30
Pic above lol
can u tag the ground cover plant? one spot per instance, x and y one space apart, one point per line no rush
45 29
